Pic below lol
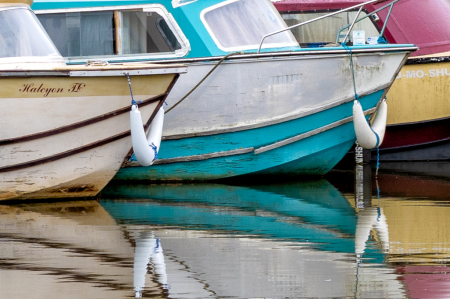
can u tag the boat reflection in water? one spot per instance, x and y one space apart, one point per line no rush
421 251
298 239
64 250
415 201
304 239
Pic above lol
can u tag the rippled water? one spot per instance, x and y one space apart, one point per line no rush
348 235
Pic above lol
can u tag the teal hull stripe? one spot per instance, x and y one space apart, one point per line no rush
201 218
263 136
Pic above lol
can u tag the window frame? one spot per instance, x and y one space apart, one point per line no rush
156 8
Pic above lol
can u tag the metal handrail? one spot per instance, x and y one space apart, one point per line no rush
323 17
369 15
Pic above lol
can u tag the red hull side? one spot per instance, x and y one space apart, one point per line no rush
408 135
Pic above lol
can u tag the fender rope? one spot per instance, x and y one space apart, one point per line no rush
133 102
201 81
155 149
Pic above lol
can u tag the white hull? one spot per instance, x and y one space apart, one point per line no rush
64 145
248 93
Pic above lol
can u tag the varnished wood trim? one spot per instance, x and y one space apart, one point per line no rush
308 134
65 154
79 124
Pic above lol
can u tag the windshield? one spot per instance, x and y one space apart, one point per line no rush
240 25
22 35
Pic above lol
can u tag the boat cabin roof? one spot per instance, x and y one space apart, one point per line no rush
425 23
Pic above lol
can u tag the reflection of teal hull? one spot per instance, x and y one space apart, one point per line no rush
314 155
318 214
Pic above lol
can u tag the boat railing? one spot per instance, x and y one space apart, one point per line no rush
350 26
390 5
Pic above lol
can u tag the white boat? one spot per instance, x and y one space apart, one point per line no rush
65 130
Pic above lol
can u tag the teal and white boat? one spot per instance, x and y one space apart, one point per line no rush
270 106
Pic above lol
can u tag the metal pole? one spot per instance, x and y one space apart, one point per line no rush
353 24
313 20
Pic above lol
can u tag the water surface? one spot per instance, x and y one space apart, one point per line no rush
348 235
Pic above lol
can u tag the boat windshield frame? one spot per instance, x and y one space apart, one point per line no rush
53 53
148 8
292 43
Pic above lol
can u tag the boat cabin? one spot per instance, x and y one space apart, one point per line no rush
149 30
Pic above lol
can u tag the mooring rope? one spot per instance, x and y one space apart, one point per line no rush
201 81
350 54
381 40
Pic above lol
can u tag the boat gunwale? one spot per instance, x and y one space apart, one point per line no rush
356 50
96 71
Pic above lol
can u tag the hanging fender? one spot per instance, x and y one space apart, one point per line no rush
146 149
369 137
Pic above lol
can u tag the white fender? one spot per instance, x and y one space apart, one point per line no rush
369 137
146 149
148 251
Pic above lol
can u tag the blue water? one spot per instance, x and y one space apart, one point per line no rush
346 235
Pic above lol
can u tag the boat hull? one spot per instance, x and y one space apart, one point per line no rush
277 115
64 137
418 129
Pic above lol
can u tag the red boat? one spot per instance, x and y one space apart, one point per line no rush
419 112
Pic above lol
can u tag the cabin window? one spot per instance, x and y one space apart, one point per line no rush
21 35
81 34
146 32
326 30
240 25
108 33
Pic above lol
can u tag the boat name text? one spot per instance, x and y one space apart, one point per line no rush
420 74
31 88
